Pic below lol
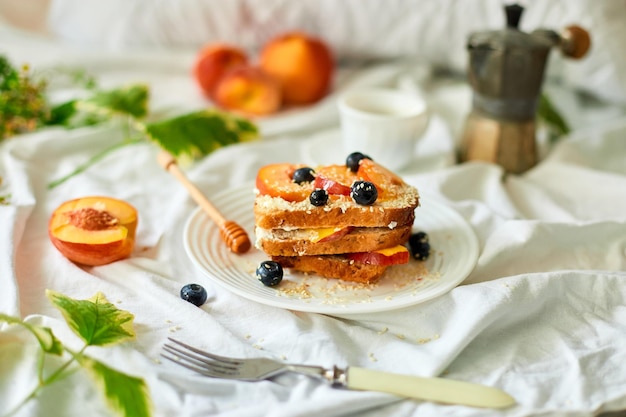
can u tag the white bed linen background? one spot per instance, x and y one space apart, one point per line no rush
542 316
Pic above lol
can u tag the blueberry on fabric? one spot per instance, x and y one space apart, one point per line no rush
194 293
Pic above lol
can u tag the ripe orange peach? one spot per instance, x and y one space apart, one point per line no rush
303 65
249 91
94 230
213 62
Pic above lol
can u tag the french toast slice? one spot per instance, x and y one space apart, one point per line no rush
341 211
333 266
325 241
282 203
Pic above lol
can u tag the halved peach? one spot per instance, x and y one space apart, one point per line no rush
94 230
249 91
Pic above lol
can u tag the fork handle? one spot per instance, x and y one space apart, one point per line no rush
441 390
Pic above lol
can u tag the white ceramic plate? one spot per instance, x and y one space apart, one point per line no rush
453 256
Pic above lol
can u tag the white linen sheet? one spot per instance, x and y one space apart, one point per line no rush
541 316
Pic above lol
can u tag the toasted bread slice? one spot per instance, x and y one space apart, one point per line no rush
333 266
299 242
283 204
340 211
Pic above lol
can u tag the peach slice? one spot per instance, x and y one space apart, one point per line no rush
276 180
335 179
94 230
391 256
331 234
385 181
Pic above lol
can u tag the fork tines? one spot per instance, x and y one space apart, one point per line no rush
201 362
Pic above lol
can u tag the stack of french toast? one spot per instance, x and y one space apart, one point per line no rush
349 221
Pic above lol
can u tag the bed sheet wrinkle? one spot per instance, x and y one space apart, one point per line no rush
541 315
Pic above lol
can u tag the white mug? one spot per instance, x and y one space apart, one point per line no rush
384 124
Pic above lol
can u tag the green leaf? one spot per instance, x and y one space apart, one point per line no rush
48 342
96 321
72 115
199 133
547 112
126 395
130 100
62 113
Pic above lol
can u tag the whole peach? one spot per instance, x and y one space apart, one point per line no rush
304 66
213 62
249 91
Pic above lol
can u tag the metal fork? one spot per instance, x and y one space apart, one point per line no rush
430 389
256 369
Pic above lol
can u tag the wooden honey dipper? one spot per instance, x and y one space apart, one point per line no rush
233 234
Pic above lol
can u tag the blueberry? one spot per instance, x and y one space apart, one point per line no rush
194 293
319 197
270 273
419 237
363 192
419 245
303 175
353 160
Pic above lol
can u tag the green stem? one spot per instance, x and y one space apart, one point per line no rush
40 365
56 375
93 160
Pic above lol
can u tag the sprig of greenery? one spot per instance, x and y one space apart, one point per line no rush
93 160
98 323
192 135
23 106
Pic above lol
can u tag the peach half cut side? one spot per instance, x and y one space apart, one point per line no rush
94 230
249 91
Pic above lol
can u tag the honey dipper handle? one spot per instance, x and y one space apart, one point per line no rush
233 234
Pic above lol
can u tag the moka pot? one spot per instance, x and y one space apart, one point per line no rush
506 72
